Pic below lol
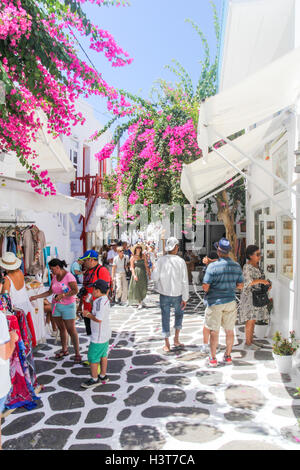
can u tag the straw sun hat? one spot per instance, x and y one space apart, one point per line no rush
138 245
10 262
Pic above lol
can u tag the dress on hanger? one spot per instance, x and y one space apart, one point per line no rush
34 241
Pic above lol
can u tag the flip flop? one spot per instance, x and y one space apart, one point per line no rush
61 354
178 346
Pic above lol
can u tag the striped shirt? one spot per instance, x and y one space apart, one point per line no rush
222 276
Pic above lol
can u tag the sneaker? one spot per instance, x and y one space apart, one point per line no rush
251 347
212 362
140 307
103 380
227 360
205 349
91 383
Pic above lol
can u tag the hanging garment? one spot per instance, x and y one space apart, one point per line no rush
22 374
34 241
28 341
11 245
19 251
4 245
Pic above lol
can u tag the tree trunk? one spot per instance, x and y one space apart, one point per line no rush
226 215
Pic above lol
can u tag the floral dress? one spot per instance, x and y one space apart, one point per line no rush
247 311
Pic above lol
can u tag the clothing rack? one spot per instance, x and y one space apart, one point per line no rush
17 222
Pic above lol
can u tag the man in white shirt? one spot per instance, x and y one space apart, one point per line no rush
111 255
171 276
119 266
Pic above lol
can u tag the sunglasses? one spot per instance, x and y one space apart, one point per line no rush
257 254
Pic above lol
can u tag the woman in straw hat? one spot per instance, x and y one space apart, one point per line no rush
138 283
14 283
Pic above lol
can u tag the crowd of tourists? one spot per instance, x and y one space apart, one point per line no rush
120 275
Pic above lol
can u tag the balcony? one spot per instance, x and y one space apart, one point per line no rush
88 186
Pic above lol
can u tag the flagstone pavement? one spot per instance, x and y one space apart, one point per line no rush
159 401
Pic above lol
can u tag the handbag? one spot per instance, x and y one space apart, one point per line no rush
260 296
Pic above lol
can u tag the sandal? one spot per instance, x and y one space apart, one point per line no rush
61 354
178 346
77 359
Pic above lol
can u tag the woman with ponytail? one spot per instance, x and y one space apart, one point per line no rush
64 288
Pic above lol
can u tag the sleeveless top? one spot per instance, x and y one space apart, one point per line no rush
19 298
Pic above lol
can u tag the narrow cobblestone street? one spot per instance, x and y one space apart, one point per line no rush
156 400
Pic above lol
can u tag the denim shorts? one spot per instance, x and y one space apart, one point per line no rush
2 404
66 312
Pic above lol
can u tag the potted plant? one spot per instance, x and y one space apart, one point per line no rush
261 326
261 329
283 350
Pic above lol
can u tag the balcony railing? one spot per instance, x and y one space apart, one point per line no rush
88 186
91 187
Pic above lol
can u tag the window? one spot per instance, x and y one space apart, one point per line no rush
286 255
74 154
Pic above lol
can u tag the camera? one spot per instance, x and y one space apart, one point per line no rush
82 293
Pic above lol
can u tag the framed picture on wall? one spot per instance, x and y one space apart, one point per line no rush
280 166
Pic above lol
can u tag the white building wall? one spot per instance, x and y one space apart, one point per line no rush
244 54
62 230
284 292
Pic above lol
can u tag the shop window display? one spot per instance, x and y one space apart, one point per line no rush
286 252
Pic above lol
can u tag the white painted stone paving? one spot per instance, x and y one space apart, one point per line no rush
159 401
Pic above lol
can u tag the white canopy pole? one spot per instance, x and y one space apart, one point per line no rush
256 185
220 189
260 165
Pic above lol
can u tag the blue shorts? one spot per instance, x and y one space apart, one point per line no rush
66 312
2 404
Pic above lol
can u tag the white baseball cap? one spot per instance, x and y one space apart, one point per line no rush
171 243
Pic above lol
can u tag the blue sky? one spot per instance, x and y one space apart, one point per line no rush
153 33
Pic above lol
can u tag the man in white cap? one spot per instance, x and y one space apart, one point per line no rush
171 276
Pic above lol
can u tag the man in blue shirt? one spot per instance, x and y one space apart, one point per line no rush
220 281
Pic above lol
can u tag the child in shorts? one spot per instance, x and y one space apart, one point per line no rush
100 334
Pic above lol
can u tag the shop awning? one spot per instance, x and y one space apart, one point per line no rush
203 177
259 97
256 34
52 156
17 194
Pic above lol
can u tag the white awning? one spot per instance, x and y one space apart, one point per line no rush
257 33
259 97
17 194
201 177
52 156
